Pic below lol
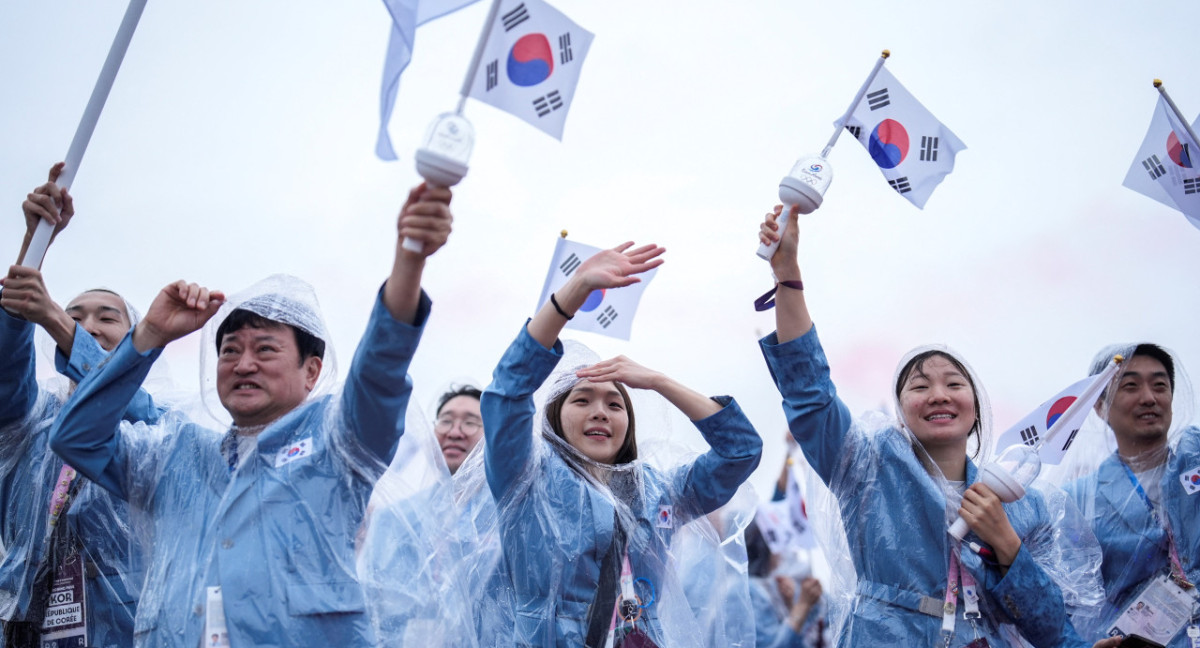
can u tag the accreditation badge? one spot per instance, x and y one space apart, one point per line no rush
65 625
1158 612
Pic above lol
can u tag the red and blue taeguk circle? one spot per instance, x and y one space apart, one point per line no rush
530 61
1058 409
593 301
1178 152
888 144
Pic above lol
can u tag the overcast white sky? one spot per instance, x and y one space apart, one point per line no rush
239 138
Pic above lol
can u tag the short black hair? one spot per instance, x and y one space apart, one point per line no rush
1158 353
307 344
455 392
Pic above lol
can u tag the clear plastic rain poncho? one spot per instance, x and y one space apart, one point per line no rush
581 540
884 518
252 533
71 567
429 549
1143 500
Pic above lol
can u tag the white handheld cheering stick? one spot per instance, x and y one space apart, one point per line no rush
805 188
442 160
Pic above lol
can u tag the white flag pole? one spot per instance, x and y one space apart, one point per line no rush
87 124
1085 399
1178 115
469 80
837 131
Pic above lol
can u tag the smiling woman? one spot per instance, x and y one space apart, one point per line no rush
1026 567
587 528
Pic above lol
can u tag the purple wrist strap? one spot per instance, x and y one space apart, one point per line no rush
767 301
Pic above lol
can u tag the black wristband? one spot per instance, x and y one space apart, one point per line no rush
559 308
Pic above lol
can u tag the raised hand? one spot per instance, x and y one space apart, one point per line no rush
784 264
49 203
179 309
618 267
25 296
623 370
426 218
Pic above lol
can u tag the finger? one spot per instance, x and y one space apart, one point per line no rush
777 210
68 208
56 171
41 206
437 194
647 266
624 246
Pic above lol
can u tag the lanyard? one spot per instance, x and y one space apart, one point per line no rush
60 496
1177 573
958 576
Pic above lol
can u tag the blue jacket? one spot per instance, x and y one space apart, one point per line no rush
555 533
1135 547
95 523
894 516
277 535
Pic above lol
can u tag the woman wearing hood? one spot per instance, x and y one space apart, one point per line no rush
899 484
586 527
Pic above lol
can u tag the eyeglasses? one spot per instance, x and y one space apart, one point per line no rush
468 426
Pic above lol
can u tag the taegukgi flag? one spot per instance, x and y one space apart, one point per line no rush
784 523
1167 167
407 15
1032 429
531 63
912 148
607 312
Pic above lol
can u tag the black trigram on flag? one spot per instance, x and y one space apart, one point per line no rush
568 266
878 99
1029 436
929 146
607 316
1070 439
493 75
515 17
1154 167
1191 185
564 49
856 131
901 185
546 104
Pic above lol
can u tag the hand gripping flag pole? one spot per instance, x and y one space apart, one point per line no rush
87 124
809 178
443 157
1175 109
1016 468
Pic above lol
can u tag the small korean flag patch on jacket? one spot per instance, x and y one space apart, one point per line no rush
291 452
1191 481
666 516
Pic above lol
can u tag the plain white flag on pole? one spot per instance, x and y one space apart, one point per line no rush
912 148
531 62
607 312
406 15
1166 167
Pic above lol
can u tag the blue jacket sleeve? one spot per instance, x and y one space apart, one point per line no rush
711 480
818 419
18 374
378 387
86 434
86 354
1034 603
508 408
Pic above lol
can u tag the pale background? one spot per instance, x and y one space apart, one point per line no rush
239 141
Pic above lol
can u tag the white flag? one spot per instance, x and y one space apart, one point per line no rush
406 15
607 312
912 148
1032 429
531 63
784 523
1167 167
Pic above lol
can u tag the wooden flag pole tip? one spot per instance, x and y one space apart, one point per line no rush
886 54
1158 83
563 234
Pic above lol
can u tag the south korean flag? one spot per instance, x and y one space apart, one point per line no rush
1167 166
607 312
531 62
